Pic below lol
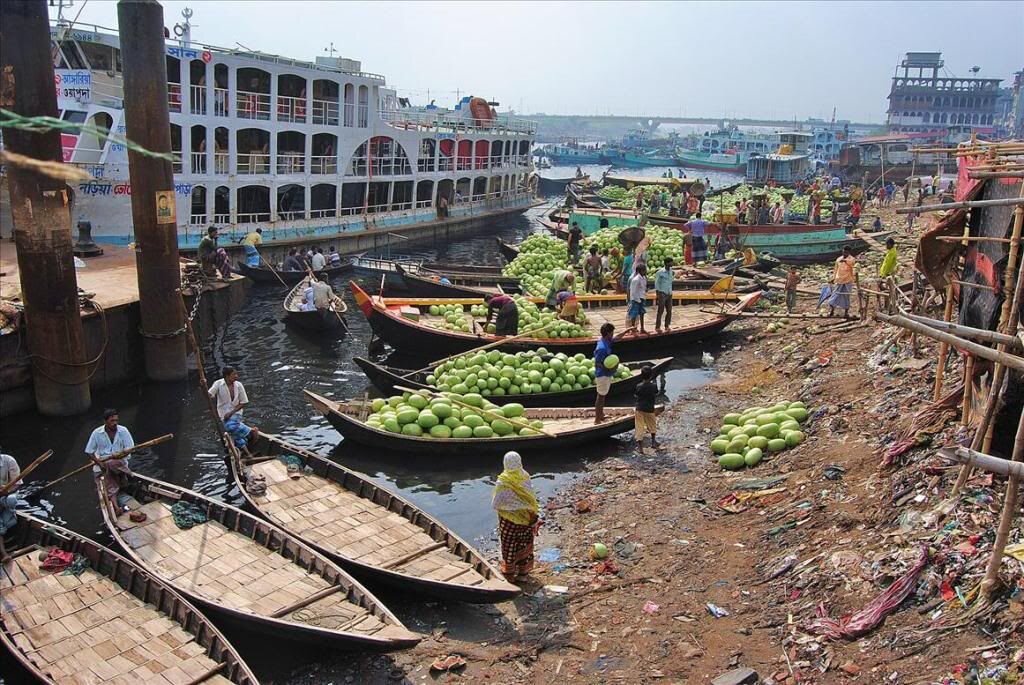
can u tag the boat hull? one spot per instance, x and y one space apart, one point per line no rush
695 162
262 274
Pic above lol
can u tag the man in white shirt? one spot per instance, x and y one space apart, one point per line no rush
637 298
318 260
10 472
231 398
322 294
106 440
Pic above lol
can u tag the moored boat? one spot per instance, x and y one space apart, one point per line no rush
264 274
374 534
328 319
730 162
392 320
508 252
567 427
246 571
53 623
387 379
426 283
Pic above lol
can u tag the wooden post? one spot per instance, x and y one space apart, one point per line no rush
42 220
991 582
940 366
965 417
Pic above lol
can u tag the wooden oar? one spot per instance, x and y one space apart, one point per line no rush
514 422
28 469
496 343
271 267
117 455
313 277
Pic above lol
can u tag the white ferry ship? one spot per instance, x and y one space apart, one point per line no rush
307 151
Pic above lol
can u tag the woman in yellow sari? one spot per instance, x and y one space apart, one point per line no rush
518 517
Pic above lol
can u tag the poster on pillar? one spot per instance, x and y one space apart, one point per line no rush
165 209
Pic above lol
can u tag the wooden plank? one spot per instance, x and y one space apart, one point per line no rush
401 561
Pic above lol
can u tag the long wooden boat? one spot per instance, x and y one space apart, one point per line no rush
570 426
249 572
508 252
329 319
263 273
690 324
386 378
424 283
115 621
627 181
374 534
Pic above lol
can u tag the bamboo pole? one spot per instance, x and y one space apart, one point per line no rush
940 365
117 455
1001 202
7 487
965 416
985 462
979 334
991 582
972 239
994 174
1002 357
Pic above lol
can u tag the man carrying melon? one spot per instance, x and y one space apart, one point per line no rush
605 364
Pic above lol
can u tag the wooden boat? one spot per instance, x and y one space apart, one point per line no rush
627 181
263 273
385 378
508 252
377 536
115 621
569 426
249 572
425 283
690 324
377 268
329 319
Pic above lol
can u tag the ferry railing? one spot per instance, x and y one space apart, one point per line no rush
350 114
292 216
222 219
323 165
291 109
363 117
221 163
196 219
425 164
445 164
198 162
249 105
220 102
197 100
357 167
253 163
464 163
446 121
174 97
325 112
422 204
291 163
328 213
253 218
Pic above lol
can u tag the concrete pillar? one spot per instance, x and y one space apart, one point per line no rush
42 223
141 25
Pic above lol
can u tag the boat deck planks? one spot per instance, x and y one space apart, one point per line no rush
87 629
335 518
231 569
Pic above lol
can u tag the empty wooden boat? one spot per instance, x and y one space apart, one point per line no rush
113 622
566 426
247 571
264 274
377 536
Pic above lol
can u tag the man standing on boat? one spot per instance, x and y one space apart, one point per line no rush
592 271
637 293
603 375
507 321
250 242
318 261
697 228
561 280
575 236
663 295
231 398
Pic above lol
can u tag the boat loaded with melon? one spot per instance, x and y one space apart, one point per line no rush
374 534
425 422
407 324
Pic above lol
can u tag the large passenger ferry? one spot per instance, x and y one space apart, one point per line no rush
307 151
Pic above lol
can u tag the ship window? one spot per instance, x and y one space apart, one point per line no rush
253 151
253 204
74 116
426 158
480 150
462 190
291 202
325 154
197 215
71 58
100 57
384 155
350 104
377 197
291 98
326 108
446 189
323 201
222 205
291 152
424 193
363 113
401 195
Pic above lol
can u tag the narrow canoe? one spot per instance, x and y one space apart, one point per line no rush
59 627
569 427
263 274
329 319
377 536
425 284
249 572
508 252
690 325
385 378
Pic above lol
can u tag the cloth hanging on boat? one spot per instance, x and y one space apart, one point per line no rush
57 560
187 514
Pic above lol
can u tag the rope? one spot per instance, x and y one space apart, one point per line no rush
43 124
34 358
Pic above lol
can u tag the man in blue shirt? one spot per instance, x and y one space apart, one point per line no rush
663 295
603 376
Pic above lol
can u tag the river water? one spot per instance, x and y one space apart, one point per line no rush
276 363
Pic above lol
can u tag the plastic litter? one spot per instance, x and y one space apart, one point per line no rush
650 607
716 611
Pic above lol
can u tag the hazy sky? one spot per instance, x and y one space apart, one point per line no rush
717 59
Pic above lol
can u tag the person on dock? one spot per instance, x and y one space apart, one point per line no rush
505 311
663 295
334 259
637 298
213 259
318 261
292 261
575 236
442 207
792 281
639 201
592 270
645 421
886 270
250 242
561 280
697 228
844 277
518 517
10 472
579 172
231 398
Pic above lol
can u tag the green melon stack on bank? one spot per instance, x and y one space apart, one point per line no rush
745 437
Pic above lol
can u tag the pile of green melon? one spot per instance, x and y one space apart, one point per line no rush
539 257
665 242
745 437
453 318
451 415
532 372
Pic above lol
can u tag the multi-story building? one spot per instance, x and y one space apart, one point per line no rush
923 100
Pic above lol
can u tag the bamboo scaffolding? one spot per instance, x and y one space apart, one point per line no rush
985 462
979 334
991 582
965 412
1001 202
994 174
1004 358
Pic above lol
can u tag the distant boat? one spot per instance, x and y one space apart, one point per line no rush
718 161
